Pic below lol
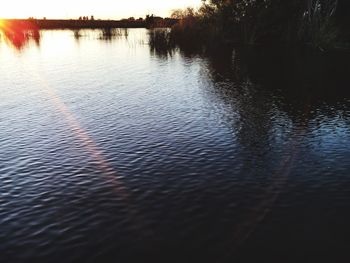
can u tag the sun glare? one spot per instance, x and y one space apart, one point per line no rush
3 25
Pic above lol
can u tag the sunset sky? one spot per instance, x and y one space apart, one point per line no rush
112 9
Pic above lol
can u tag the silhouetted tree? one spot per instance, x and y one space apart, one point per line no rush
149 20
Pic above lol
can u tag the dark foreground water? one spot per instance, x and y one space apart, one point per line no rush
111 151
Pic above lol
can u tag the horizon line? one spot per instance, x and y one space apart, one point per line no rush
77 18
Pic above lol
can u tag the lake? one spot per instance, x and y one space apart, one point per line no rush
115 151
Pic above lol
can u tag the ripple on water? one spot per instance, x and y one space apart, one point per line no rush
137 157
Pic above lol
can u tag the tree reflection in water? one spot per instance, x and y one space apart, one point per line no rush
271 98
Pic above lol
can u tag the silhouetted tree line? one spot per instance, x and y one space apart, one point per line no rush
321 23
153 21
86 18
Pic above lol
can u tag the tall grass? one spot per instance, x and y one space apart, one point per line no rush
318 27
252 22
161 41
113 33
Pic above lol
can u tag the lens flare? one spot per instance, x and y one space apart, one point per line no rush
19 32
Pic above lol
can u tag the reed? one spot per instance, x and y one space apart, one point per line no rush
251 22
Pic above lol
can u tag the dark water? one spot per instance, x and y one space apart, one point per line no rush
111 151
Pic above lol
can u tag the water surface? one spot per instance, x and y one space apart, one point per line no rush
111 150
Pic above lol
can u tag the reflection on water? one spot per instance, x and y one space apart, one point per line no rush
118 151
20 39
19 34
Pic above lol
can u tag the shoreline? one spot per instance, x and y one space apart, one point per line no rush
38 24
72 24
